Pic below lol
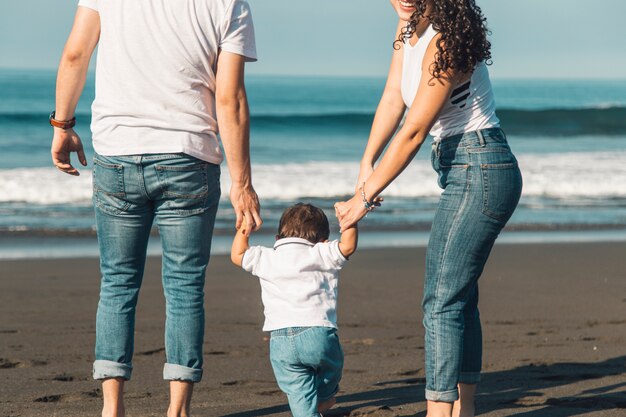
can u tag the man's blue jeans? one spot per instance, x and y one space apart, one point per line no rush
181 194
482 186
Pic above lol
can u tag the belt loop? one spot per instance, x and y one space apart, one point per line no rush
481 138
438 148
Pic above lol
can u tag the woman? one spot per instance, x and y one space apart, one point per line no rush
439 73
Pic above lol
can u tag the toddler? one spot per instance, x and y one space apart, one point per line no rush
299 290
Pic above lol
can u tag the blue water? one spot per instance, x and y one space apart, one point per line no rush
307 138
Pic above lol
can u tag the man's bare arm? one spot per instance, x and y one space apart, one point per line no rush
233 118
70 83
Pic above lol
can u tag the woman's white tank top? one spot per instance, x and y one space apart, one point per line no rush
471 105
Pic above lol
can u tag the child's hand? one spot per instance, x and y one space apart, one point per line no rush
240 243
246 228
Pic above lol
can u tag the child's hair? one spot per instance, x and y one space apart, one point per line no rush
304 221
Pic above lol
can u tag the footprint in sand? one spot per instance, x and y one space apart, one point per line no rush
60 378
18 363
366 342
411 373
63 378
71 397
589 403
531 400
151 352
354 371
380 411
407 381
269 393
246 382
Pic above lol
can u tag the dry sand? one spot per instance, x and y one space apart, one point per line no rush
554 327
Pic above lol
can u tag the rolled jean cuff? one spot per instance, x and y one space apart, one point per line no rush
469 378
103 369
443 396
172 372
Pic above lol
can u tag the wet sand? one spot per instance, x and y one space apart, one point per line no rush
554 320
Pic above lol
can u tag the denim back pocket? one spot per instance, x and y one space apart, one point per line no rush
189 188
108 187
450 163
502 183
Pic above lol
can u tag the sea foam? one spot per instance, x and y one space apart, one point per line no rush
574 175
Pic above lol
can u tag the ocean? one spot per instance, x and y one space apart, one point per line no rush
307 138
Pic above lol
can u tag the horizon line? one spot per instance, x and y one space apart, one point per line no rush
378 76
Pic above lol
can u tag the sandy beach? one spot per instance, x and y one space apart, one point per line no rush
554 330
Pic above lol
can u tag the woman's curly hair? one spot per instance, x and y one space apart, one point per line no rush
463 29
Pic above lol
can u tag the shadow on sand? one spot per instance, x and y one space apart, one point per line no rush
519 390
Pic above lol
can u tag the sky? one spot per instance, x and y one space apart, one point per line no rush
531 38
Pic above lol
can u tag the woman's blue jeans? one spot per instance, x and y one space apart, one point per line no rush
482 185
180 193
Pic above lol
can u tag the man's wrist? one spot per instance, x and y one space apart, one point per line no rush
61 124
242 184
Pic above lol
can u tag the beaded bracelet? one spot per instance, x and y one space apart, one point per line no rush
368 206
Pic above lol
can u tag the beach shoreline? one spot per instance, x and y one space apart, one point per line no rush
553 330
68 245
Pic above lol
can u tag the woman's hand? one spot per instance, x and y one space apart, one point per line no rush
350 212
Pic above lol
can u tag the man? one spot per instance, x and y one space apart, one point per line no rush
168 73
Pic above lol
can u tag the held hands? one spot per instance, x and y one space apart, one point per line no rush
64 142
350 212
246 204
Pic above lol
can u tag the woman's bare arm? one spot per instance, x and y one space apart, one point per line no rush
430 98
388 116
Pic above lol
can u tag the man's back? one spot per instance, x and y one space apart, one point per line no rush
162 85
155 76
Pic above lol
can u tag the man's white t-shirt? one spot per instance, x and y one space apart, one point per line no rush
155 73
298 282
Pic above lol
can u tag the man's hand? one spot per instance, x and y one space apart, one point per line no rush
247 208
64 143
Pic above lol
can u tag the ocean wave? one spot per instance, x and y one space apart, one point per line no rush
561 122
595 175
602 120
558 122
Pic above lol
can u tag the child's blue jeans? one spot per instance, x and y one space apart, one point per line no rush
307 363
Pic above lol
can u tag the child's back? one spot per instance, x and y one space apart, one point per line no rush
299 278
298 282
